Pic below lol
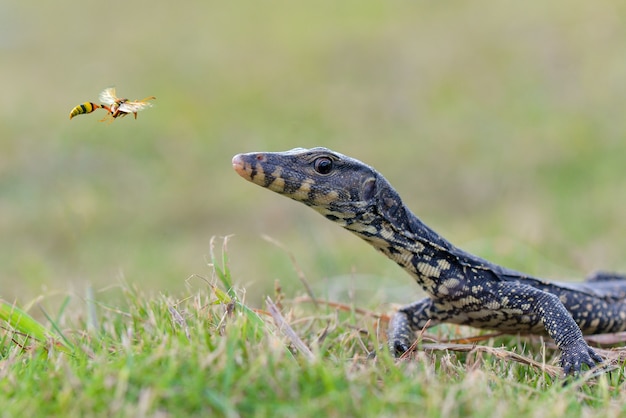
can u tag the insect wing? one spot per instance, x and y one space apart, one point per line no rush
108 96
133 107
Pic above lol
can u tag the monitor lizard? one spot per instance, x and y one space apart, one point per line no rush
461 287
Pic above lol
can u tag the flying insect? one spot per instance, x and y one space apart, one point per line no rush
115 106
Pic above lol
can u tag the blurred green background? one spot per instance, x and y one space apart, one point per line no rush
500 123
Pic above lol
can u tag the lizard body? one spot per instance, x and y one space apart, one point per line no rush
462 288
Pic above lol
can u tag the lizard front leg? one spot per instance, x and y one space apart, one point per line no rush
407 321
523 299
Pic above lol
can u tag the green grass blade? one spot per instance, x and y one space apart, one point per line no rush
221 267
23 322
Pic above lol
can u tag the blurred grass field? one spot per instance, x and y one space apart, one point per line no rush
500 124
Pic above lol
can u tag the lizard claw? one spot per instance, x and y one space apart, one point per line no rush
577 354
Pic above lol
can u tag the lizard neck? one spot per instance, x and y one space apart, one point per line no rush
420 251
391 228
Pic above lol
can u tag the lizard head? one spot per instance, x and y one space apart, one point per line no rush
341 188
316 176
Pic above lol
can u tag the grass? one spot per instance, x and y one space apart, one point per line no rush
208 353
501 125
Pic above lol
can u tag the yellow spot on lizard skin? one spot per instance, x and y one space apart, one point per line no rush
329 197
428 270
369 229
259 177
387 234
419 248
443 264
477 289
479 314
404 258
451 283
278 172
493 305
278 185
303 192
462 303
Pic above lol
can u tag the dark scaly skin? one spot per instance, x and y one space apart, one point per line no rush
462 288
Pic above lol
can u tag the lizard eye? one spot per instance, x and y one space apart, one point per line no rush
323 165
